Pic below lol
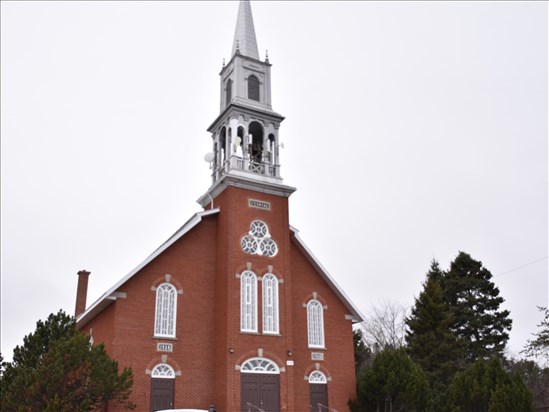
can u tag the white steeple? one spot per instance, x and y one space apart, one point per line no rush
244 35
246 146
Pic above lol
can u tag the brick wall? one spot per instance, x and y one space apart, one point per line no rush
209 346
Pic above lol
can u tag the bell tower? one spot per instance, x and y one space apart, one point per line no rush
245 139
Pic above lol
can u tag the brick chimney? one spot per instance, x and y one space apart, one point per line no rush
81 292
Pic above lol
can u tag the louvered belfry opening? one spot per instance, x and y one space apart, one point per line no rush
253 88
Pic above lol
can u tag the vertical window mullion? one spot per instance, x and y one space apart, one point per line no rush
270 304
315 325
166 306
248 302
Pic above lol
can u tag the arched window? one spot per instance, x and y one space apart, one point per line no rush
270 303
259 365
228 92
163 371
315 324
248 302
317 377
253 88
166 305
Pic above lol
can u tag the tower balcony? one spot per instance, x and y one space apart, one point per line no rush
247 167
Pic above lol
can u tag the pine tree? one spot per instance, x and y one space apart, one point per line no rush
474 303
57 369
485 387
394 383
431 343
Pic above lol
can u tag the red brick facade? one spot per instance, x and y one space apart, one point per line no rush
204 262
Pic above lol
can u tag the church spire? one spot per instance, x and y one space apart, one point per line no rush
245 139
244 35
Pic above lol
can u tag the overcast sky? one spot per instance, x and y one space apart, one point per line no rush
413 130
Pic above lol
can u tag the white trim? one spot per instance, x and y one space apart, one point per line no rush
260 365
103 301
168 310
274 322
248 301
358 317
315 324
163 371
317 377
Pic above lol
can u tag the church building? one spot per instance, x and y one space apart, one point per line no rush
233 310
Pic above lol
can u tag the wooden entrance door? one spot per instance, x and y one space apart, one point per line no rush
259 391
318 397
161 394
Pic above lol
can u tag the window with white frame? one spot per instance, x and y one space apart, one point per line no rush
166 305
270 303
248 301
163 371
259 365
317 377
315 324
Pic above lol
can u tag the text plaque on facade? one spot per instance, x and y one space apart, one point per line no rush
258 204
317 356
164 347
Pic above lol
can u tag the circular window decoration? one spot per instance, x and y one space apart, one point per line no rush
268 247
249 244
259 229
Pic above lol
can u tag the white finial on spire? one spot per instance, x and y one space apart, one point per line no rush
244 35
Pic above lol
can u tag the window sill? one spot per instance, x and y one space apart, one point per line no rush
271 334
164 338
312 348
249 332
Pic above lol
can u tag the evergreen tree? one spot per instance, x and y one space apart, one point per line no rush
394 383
485 387
57 369
474 303
363 354
540 345
431 343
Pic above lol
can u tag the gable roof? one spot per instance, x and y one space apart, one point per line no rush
111 295
354 312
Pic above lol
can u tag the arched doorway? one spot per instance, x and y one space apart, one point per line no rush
318 392
259 386
162 387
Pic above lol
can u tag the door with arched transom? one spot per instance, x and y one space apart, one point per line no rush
259 386
318 392
162 387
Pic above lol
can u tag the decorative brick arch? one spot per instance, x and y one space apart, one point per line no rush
315 296
167 278
260 354
320 368
163 359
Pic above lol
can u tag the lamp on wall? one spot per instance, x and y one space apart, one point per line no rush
231 350
290 353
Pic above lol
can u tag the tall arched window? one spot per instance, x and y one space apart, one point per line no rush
166 305
270 303
315 324
248 301
228 92
253 88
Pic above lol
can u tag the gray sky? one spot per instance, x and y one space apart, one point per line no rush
413 130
